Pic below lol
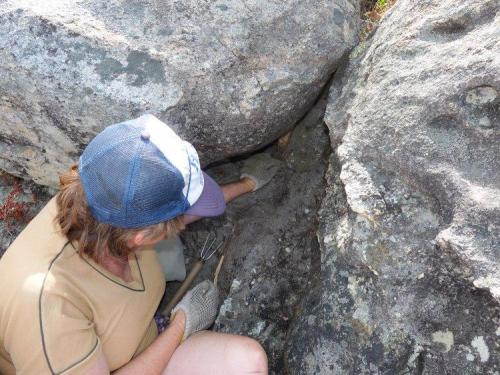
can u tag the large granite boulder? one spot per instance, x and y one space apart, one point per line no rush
230 76
410 226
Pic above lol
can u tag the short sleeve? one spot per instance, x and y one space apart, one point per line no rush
70 343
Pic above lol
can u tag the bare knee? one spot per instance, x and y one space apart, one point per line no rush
247 355
218 353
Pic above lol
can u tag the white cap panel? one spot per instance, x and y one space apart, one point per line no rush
197 183
180 153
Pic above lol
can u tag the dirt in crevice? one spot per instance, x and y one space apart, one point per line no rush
273 259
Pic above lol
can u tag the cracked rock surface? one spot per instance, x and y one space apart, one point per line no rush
410 224
230 76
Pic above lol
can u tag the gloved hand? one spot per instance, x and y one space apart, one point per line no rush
200 305
260 168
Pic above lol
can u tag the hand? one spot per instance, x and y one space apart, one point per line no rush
260 168
200 305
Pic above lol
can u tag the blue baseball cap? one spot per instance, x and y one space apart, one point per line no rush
140 172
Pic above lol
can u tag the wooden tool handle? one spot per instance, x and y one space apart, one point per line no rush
184 287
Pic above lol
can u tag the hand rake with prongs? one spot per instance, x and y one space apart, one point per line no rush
207 251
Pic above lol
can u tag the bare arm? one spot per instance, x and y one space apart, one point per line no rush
235 189
230 192
155 358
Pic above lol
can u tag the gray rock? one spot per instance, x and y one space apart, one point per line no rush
410 275
230 76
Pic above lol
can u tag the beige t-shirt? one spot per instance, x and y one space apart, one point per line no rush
59 311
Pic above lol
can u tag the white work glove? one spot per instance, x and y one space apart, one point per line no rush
260 168
200 305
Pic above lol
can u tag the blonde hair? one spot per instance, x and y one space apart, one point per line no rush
91 237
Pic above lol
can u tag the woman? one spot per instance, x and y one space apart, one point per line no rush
80 285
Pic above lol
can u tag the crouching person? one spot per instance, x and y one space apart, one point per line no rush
80 286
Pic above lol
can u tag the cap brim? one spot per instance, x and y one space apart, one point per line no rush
211 201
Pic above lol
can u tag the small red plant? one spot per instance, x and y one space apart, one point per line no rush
12 211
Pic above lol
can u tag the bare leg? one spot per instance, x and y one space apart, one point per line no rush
212 353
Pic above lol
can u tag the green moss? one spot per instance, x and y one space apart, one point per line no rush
382 5
373 10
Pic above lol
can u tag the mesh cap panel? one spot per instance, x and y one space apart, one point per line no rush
157 185
128 181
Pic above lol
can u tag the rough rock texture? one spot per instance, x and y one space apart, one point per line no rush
273 257
230 76
405 277
410 226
